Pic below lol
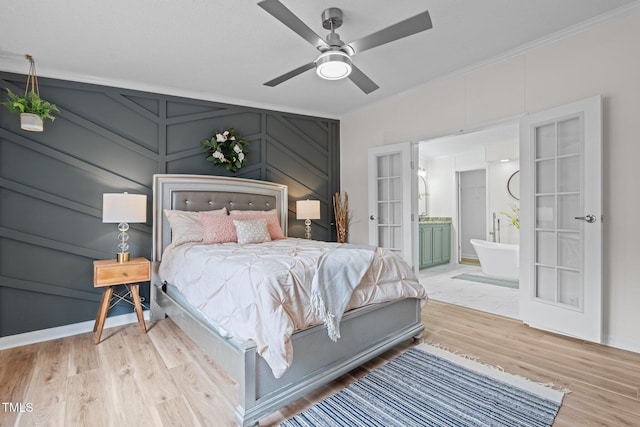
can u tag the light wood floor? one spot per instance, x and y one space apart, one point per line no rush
162 379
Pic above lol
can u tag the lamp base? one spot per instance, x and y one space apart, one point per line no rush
307 229
122 256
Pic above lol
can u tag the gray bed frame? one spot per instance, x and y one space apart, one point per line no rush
366 332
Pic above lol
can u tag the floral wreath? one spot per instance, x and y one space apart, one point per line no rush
227 148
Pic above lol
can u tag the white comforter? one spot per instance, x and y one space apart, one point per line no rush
262 292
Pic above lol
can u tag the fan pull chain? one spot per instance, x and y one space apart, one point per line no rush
32 78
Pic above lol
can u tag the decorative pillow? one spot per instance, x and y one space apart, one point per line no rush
217 229
252 231
273 225
186 226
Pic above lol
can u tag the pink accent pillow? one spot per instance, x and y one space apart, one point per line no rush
217 229
273 225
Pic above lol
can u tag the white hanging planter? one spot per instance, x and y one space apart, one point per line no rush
31 122
29 103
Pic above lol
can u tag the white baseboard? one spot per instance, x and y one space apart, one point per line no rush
67 330
608 340
622 344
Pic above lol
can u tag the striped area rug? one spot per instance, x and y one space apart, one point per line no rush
427 386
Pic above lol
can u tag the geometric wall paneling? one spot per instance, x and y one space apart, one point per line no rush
190 130
24 311
150 105
300 153
177 107
108 139
301 171
134 124
305 148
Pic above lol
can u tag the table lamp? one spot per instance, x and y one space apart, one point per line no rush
307 210
123 208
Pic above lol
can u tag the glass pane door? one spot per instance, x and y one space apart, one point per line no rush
561 219
559 204
389 184
390 224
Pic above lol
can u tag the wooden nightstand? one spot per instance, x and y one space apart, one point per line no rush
108 273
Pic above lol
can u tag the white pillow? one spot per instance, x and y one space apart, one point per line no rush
252 231
186 226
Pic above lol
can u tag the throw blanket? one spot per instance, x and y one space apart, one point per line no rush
339 273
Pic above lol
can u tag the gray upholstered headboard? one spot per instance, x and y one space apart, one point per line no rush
212 200
206 192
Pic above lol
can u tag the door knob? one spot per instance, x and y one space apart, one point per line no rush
589 218
372 218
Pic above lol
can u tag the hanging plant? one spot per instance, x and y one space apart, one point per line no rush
226 148
30 103
32 109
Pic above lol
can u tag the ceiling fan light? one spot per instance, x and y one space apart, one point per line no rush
333 65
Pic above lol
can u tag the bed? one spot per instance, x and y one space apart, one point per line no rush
365 331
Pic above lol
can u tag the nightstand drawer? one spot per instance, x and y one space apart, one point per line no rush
111 273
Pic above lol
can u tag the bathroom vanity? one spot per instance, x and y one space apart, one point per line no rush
435 241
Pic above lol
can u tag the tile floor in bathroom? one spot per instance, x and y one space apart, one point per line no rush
441 286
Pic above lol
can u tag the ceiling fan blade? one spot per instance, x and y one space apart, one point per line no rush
361 80
290 74
284 15
410 26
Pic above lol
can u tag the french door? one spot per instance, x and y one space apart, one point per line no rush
390 201
561 219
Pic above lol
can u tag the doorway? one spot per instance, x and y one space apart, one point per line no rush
472 212
467 179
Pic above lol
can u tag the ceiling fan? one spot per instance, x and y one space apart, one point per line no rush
334 62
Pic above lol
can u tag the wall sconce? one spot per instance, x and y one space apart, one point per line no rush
307 210
123 208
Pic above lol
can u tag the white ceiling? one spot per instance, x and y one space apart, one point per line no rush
223 50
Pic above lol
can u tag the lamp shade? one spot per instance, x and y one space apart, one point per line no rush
308 209
124 207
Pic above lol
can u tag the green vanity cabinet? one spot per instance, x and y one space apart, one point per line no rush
435 243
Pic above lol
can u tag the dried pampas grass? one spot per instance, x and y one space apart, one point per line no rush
341 212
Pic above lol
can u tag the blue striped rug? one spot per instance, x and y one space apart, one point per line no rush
427 386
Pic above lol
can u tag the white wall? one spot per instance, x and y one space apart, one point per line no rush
442 186
602 59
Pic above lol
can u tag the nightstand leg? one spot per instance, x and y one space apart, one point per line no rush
102 312
138 305
102 299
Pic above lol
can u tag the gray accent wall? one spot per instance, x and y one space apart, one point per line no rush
108 139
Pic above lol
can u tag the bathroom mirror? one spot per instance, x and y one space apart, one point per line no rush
513 185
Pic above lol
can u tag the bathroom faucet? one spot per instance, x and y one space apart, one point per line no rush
495 232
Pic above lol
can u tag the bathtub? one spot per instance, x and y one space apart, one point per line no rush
497 259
